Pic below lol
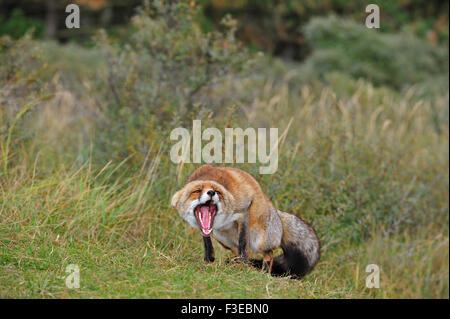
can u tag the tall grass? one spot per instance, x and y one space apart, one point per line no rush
369 172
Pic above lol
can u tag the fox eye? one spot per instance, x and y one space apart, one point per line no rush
218 193
196 191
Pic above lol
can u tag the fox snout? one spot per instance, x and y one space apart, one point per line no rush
209 195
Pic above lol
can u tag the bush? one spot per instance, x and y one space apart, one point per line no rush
18 25
168 71
396 60
21 88
276 26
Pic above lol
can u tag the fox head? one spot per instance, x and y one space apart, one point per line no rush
205 205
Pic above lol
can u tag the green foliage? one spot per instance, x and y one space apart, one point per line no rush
21 69
18 25
21 87
166 72
396 60
276 26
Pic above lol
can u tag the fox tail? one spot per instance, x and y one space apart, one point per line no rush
300 245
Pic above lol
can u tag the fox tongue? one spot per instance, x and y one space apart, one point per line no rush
205 218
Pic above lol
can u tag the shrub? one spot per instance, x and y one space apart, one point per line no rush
168 71
396 60
21 88
17 25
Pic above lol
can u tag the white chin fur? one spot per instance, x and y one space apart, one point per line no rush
189 215
222 220
216 199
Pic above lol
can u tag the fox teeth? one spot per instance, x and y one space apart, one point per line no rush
201 221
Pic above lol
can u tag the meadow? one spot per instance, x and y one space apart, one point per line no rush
86 176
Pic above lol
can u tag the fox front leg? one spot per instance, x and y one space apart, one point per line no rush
244 238
209 250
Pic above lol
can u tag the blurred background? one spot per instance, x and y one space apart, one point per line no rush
272 26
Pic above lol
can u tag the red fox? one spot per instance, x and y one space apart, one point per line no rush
229 205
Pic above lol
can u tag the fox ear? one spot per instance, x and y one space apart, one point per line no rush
175 199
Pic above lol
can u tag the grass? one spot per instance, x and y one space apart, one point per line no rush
123 252
127 253
368 167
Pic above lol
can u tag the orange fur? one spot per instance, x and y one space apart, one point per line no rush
246 220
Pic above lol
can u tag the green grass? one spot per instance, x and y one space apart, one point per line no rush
150 253
125 253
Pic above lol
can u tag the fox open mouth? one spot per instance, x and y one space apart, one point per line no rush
205 216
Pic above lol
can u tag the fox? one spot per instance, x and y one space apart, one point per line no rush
228 205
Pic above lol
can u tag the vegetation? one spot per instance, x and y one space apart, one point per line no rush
275 27
86 176
18 24
395 60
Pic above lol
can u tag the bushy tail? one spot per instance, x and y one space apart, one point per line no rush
300 245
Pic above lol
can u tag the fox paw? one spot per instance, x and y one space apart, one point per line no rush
209 259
